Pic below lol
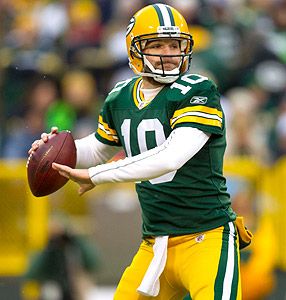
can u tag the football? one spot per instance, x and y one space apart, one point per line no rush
43 179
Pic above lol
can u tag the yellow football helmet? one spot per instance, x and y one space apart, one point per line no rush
158 21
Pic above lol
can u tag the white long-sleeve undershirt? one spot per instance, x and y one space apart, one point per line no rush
182 144
91 152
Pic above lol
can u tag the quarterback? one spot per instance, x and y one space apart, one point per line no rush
171 126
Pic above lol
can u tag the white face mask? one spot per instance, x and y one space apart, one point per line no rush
160 76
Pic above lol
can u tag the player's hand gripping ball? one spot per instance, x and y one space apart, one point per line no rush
43 179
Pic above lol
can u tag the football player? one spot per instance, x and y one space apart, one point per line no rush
172 127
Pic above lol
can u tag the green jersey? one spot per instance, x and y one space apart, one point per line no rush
193 198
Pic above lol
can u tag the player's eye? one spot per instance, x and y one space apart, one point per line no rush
175 45
154 46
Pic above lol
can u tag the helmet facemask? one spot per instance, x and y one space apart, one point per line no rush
161 75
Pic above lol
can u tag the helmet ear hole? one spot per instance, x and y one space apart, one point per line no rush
134 53
131 53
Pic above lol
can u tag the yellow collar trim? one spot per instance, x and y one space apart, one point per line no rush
138 96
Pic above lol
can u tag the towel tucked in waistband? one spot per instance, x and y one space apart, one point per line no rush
150 285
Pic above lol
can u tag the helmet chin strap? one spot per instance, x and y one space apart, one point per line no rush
166 77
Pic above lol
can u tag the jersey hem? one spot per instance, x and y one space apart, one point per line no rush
186 231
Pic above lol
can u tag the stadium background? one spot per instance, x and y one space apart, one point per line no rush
59 59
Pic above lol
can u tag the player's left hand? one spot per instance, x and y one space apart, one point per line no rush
80 176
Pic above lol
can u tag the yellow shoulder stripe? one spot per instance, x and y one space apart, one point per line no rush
105 131
198 108
198 114
195 119
105 136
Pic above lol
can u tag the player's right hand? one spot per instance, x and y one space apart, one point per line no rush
80 176
44 139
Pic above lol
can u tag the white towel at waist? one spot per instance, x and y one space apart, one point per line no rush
150 285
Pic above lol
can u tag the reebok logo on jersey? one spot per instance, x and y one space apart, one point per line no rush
199 100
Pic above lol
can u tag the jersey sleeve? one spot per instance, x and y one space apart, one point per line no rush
201 109
106 132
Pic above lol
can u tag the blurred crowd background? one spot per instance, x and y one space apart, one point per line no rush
59 59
